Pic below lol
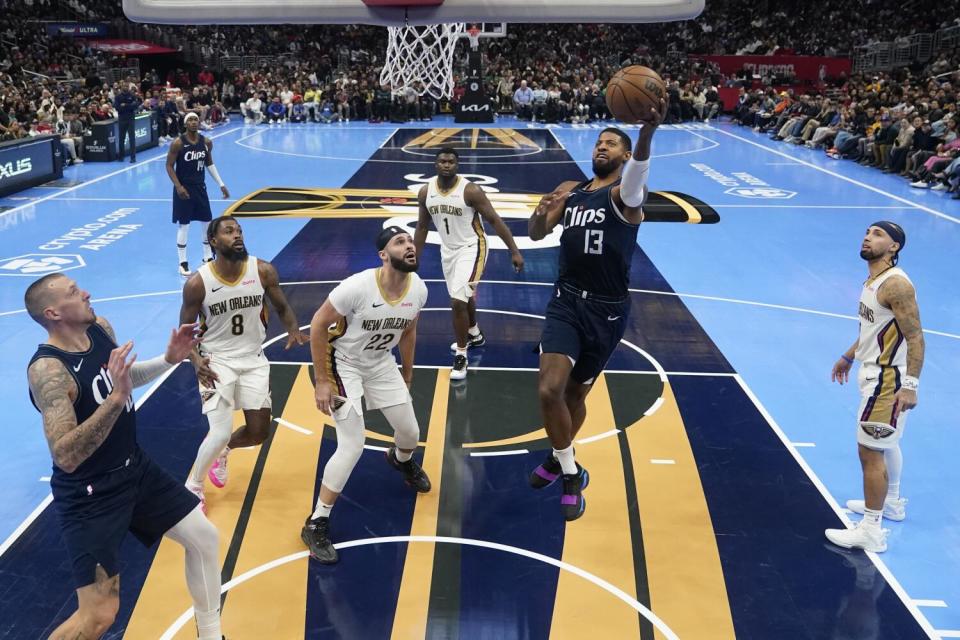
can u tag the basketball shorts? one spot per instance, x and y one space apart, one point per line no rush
243 383
96 513
378 386
195 208
586 331
876 426
462 269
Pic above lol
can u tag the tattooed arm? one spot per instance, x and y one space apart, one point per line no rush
900 296
54 391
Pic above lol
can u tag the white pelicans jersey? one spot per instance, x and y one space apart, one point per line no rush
459 225
233 318
372 324
881 341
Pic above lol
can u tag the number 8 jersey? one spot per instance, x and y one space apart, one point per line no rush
372 323
233 318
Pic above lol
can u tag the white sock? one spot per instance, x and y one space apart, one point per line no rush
474 330
402 456
894 461
182 232
461 352
872 518
567 463
322 510
208 625
207 252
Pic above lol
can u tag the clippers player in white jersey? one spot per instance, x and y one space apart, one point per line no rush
890 349
456 206
228 295
352 336
189 159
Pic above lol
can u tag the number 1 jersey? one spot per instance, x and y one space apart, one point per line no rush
233 318
372 323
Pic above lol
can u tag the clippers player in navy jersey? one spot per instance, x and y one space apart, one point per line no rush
103 484
188 160
587 315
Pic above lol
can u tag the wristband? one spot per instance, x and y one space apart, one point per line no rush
910 382
849 360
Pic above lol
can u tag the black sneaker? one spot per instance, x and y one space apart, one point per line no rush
413 474
459 370
572 502
547 473
472 342
315 535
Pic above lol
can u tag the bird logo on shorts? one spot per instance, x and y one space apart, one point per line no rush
878 431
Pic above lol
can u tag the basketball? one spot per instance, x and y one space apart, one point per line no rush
633 91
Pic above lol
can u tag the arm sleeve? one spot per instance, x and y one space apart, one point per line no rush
147 371
633 182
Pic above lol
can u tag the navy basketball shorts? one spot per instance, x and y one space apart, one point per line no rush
95 514
586 331
195 208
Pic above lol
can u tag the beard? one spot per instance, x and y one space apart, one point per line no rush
233 255
868 255
402 266
603 168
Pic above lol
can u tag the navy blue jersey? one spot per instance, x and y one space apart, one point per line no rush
597 243
191 164
89 370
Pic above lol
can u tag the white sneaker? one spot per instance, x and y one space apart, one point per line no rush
895 510
859 537
459 370
939 187
78 161
198 491
919 184
218 472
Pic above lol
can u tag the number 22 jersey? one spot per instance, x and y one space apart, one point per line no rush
372 323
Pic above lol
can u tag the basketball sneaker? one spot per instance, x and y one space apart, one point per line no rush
184 269
895 510
572 502
459 370
316 535
413 474
472 342
859 536
546 473
198 491
218 472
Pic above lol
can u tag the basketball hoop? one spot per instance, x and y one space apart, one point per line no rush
422 54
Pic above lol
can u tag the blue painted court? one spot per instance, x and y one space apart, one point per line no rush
719 450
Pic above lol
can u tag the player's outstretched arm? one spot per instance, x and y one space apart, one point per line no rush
407 347
175 147
631 193
423 221
325 316
474 197
550 211
54 391
271 286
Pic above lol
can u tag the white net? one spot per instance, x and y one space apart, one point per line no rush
421 57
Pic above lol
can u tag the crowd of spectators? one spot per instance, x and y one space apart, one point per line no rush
901 124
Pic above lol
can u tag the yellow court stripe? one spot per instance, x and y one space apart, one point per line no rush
599 542
164 595
413 602
473 140
274 604
693 214
685 577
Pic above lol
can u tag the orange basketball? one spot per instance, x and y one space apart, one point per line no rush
633 91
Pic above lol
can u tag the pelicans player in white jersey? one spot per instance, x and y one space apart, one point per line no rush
455 205
352 336
228 294
890 349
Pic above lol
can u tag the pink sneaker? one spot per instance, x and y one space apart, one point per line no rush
218 472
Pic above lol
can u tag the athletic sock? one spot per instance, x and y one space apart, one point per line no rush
461 352
567 462
207 252
182 234
322 510
474 331
872 518
402 456
208 625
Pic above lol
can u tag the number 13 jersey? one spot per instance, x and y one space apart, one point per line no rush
233 318
372 323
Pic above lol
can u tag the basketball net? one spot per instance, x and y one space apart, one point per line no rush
421 54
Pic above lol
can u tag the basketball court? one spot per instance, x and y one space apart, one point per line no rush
719 450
